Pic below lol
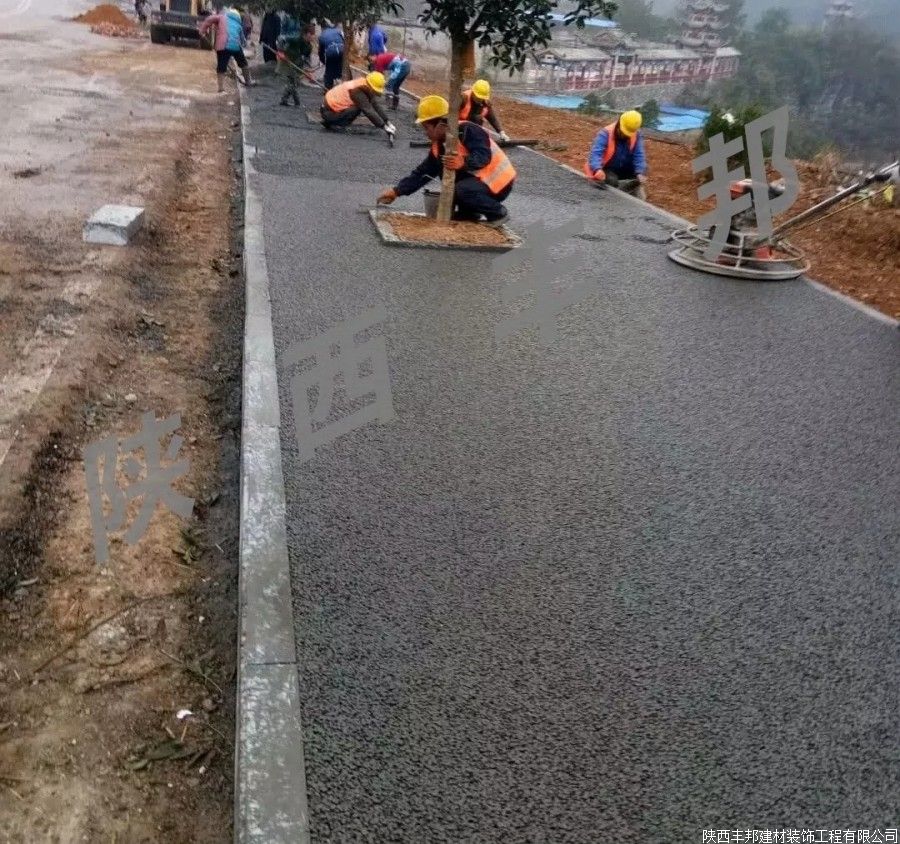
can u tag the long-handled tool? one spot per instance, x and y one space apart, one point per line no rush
512 142
749 255
282 58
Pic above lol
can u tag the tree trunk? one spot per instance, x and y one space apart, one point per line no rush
349 43
448 186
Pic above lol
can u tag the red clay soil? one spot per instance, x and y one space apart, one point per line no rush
105 13
426 230
857 251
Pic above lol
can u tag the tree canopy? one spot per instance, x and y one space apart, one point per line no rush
511 29
639 18
841 84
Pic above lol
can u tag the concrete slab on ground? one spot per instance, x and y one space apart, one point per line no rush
634 583
113 225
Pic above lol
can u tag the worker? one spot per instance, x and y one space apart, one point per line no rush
345 102
331 53
476 107
618 153
294 50
484 175
377 40
396 68
269 31
229 42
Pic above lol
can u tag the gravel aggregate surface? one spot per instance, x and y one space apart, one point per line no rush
631 584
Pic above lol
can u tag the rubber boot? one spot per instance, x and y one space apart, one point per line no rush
395 102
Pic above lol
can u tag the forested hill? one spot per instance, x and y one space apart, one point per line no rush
883 15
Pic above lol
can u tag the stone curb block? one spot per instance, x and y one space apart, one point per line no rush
270 804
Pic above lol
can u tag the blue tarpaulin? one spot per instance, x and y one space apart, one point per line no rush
671 118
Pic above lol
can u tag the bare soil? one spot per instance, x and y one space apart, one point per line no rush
97 661
426 230
105 13
856 251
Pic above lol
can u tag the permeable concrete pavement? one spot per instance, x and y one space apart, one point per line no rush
631 585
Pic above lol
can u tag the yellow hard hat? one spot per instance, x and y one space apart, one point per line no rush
432 107
482 89
375 81
630 122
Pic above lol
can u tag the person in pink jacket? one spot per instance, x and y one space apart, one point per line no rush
229 44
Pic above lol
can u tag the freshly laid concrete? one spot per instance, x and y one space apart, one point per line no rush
631 586
360 127
113 225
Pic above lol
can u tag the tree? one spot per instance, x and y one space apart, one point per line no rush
733 18
354 16
638 17
840 85
650 114
511 29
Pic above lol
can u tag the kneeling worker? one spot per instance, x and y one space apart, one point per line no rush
345 102
476 107
618 153
484 175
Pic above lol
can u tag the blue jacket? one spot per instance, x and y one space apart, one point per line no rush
236 37
329 41
623 160
377 41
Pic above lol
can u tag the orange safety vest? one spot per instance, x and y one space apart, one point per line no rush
338 98
496 174
610 150
466 108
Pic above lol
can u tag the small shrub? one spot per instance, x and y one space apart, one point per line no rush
731 124
650 114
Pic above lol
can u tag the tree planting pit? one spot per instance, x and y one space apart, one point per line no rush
407 228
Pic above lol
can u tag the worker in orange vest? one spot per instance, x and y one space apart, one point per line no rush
618 153
345 102
476 107
484 175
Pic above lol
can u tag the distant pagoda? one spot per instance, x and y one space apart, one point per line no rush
703 24
839 10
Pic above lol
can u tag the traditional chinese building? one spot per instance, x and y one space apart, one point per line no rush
839 10
703 25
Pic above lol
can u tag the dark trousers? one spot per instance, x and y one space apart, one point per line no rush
334 69
472 199
625 172
339 119
290 87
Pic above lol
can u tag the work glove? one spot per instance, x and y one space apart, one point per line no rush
504 137
453 161
599 176
390 128
387 197
641 178
280 55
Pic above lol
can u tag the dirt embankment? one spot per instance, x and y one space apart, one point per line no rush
856 251
97 661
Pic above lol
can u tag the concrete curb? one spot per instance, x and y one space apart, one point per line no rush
270 805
